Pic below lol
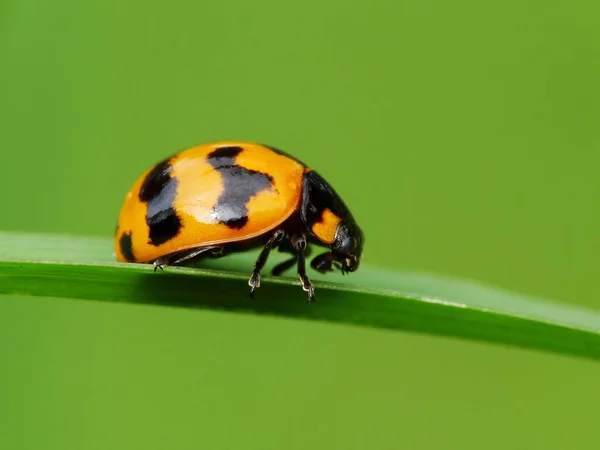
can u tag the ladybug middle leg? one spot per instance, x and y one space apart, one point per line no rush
299 242
273 241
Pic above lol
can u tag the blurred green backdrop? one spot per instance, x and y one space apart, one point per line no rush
464 136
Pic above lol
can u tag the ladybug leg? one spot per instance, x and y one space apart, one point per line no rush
300 244
178 258
254 280
215 250
161 262
323 262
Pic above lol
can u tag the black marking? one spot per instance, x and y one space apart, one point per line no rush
317 196
158 191
238 223
127 247
239 186
155 181
224 156
164 225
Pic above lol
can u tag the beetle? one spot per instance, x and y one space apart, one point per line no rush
222 197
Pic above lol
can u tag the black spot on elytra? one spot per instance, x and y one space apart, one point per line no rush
237 223
224 156
158 191
155 181
164 224
239 186
126 247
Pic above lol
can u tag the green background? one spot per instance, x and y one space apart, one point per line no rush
462 134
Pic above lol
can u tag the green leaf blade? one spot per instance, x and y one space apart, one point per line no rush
83 268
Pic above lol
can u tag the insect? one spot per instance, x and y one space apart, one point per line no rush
217 198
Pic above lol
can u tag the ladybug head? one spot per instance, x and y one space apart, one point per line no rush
345 250
329 220
348 246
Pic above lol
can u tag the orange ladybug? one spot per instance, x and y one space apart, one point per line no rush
223 197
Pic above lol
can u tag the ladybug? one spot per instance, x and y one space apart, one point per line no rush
224 197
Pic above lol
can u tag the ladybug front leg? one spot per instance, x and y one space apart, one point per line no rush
254 280
322 263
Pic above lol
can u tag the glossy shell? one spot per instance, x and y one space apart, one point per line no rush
209 194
